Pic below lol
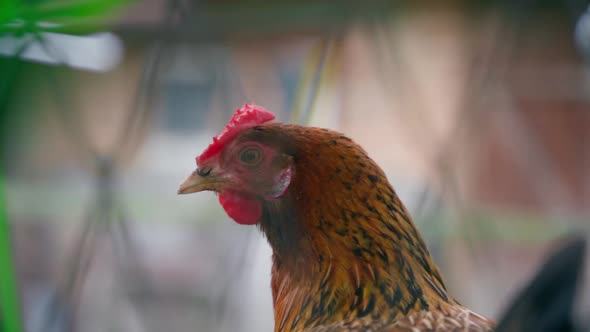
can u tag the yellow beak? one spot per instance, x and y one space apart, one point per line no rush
195 183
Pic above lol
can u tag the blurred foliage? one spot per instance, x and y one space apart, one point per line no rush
10 320
25 22
21 17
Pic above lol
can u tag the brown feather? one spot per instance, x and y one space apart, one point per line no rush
346 254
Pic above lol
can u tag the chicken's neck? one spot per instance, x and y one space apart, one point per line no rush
345 251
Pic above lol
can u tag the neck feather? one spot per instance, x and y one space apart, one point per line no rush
344 246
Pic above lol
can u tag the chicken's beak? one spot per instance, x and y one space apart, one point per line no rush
196 182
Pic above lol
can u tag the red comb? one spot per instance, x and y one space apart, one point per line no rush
248 116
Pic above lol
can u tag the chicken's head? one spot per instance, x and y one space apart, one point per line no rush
243 169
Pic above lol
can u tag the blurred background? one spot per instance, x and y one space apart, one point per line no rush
478 111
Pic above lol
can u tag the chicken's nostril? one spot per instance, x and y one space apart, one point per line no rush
204 171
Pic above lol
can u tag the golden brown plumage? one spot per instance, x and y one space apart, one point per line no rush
357 260
346 254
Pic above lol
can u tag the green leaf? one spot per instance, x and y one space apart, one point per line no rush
17 18
9 300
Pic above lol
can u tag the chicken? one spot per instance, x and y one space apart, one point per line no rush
346 255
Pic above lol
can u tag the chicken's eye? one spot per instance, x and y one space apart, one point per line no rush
251 156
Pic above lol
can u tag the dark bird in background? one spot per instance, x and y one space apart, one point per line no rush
546 304
346 255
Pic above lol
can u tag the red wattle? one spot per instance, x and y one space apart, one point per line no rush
243 209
